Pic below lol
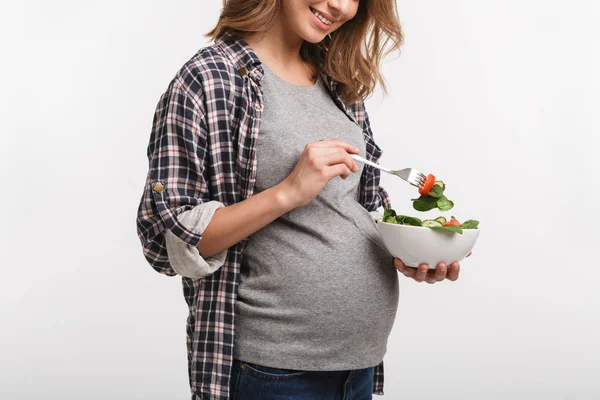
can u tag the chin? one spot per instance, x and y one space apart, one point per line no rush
313 37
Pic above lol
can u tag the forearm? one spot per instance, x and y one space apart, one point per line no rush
232 224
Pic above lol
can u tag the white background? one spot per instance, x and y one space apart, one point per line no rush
500 98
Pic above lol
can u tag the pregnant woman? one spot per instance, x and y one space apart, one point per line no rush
252 197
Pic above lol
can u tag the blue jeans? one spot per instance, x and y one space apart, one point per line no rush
255 382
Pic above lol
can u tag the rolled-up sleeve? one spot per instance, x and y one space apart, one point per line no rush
185 259
177 176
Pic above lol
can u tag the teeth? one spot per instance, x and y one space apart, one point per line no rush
322 18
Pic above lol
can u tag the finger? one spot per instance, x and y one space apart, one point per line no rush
329 156
338 157
431 277
469 255
317 156
421 272
335 143
407 271
337 170
399 264
440 272
454 271
321 158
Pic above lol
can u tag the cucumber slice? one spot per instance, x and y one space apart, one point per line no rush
441 220
430 223
440 184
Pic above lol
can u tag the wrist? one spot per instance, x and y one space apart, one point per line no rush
283 197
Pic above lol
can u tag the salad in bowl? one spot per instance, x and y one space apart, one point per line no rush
431 241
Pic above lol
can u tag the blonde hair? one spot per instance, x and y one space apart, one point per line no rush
351 55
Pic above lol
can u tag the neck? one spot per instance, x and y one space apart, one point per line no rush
277 46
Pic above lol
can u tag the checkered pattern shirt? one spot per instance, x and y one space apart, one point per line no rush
203 147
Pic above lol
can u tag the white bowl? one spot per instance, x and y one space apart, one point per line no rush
416 245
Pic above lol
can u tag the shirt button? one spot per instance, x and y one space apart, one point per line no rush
258 107
158 187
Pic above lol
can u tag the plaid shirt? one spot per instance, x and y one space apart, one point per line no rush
203 147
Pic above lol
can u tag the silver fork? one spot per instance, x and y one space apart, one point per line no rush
410 175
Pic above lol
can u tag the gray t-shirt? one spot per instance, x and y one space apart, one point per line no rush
318 290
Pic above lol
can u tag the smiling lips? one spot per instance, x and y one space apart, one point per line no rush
321 17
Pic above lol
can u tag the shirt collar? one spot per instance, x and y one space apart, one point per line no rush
242 55
248 63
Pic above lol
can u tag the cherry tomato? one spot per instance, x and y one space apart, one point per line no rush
452 222
425 188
